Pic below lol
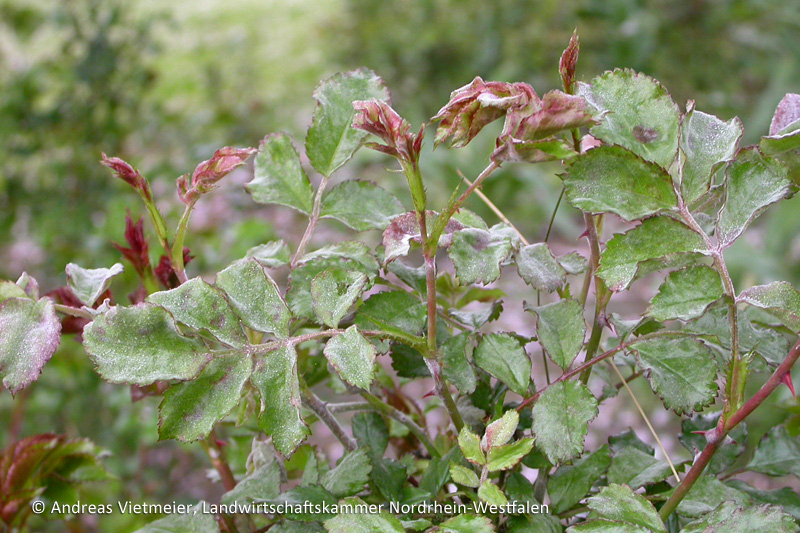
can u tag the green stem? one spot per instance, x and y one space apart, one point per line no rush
312 222
177 246
404 419
320 409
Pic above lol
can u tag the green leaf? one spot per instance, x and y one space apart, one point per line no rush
141 345
706 494
534 523
706 143
539 268
200 306
610 179
361 205
686 294
464 476
9 289
491 494
195 520
316 496
561 419
620 504
569 484
89 284
501 430
753 182
628 463
561 329
271 255
390 478
275 378
731 518
255 297
653 238
681 371
605 526
263 484
778 454
779 298
467 523
359 521
502 356
278 177
785 497
333 292
331 139
470 445
190 409
638 114
509 455
456 367
371 432
352 356
393 312
28 284
31 332
477 254
574 263
438 471
349 476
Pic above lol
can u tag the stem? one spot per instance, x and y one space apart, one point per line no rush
217 457
716 436
345 407
312 222
177 247
73 311
320 409
404 419
601 294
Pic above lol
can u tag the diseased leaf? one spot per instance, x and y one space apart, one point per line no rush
464 476
491 494
561 419
786 114
278 177
200 306
371 432
620 504
778 454
706 143
779 298
470 445
706 494
502 356
333 292
500 431
539 268
89 283
29 335
569 484
732 518
390 478
467 523
606 526
628 463
533 151
653 238
9 289
456 367
561 329
358 521
271 255
190 409
508 455
637 113
349 476
262 484
29 285
785 497
331 139
686 294
141 345
393 312
255 297
352 356
195 520
611 179
361 205
574 263
477 254
275 379
753 182
404 230
681 371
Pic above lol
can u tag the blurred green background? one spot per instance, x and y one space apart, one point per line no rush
162 85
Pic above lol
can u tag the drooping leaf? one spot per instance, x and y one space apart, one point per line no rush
89 283
561 419
686 294
331 139
371 432
349 476
29 335
141 345
637 113
200 306
500 431
681 371
569 484
278 177
706 143
262 484
561 330
196 521
352 356
190 409
653 238
491 494
611 179
477 255
382 522
508 455
778 454
620 504
456 367
464 476
271 255
779 298
333 292
502 356
275 378
361 205
255 297
539 268
732 518
753 182
706 494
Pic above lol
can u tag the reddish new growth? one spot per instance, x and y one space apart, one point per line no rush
137 253
128 174
568 62
208 173
378 118
165 272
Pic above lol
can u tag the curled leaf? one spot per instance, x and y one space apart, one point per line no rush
378 118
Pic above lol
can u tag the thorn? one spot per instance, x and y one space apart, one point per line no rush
220 443
431 393
585 234
787 380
